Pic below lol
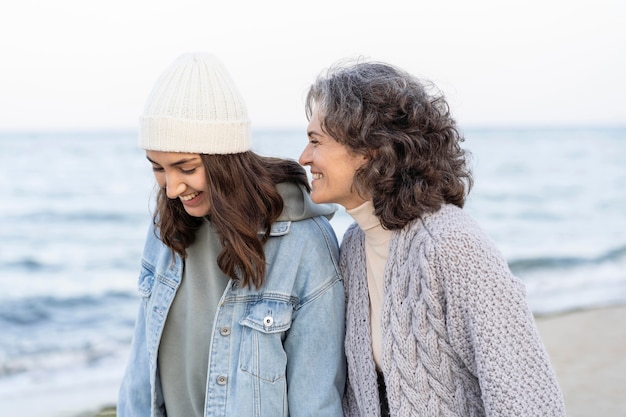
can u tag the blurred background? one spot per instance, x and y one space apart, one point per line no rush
536 86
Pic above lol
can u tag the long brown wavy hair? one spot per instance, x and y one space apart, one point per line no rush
414 159
244 202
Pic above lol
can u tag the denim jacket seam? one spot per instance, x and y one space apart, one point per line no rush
147 265
167 281
255 298
327 241
320 291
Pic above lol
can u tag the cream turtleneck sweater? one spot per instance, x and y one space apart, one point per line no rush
377 242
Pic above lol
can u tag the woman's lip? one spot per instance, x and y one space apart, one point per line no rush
192 201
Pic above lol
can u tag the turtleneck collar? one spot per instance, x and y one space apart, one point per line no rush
364 216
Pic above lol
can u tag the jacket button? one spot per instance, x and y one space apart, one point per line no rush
225 331
221 380
268 321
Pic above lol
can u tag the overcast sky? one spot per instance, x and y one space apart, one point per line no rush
77 64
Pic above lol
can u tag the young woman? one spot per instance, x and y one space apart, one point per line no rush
436 324
242 310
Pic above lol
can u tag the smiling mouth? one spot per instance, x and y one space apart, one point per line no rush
189 196
316 176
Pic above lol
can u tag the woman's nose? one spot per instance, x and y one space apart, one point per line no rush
174 187
305 156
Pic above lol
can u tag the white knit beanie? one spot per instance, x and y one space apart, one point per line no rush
196 108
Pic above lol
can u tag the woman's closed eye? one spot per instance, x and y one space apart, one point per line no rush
156 168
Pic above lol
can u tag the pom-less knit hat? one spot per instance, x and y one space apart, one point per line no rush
196 108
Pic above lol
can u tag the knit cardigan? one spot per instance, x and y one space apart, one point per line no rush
458 336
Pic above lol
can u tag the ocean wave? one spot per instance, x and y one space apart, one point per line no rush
85 356
54 267
36 310
31 265
547 263
53 217
63 331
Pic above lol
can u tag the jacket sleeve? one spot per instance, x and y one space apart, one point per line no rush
492 328
135 393
316 369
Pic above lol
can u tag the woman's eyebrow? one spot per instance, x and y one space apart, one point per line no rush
177 163
312 132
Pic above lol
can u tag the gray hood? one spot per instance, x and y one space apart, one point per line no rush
298 204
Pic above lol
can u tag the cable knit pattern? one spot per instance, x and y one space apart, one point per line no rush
458 336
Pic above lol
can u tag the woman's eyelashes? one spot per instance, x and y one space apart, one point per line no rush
156 168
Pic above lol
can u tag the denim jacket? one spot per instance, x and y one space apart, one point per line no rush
275 351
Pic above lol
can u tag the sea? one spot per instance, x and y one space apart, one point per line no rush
75 209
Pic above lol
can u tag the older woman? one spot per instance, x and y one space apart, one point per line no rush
436 324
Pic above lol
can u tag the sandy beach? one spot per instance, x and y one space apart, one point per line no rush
588 351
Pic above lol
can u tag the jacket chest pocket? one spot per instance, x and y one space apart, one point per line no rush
262 353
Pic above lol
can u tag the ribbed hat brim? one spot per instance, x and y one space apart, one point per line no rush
193 136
